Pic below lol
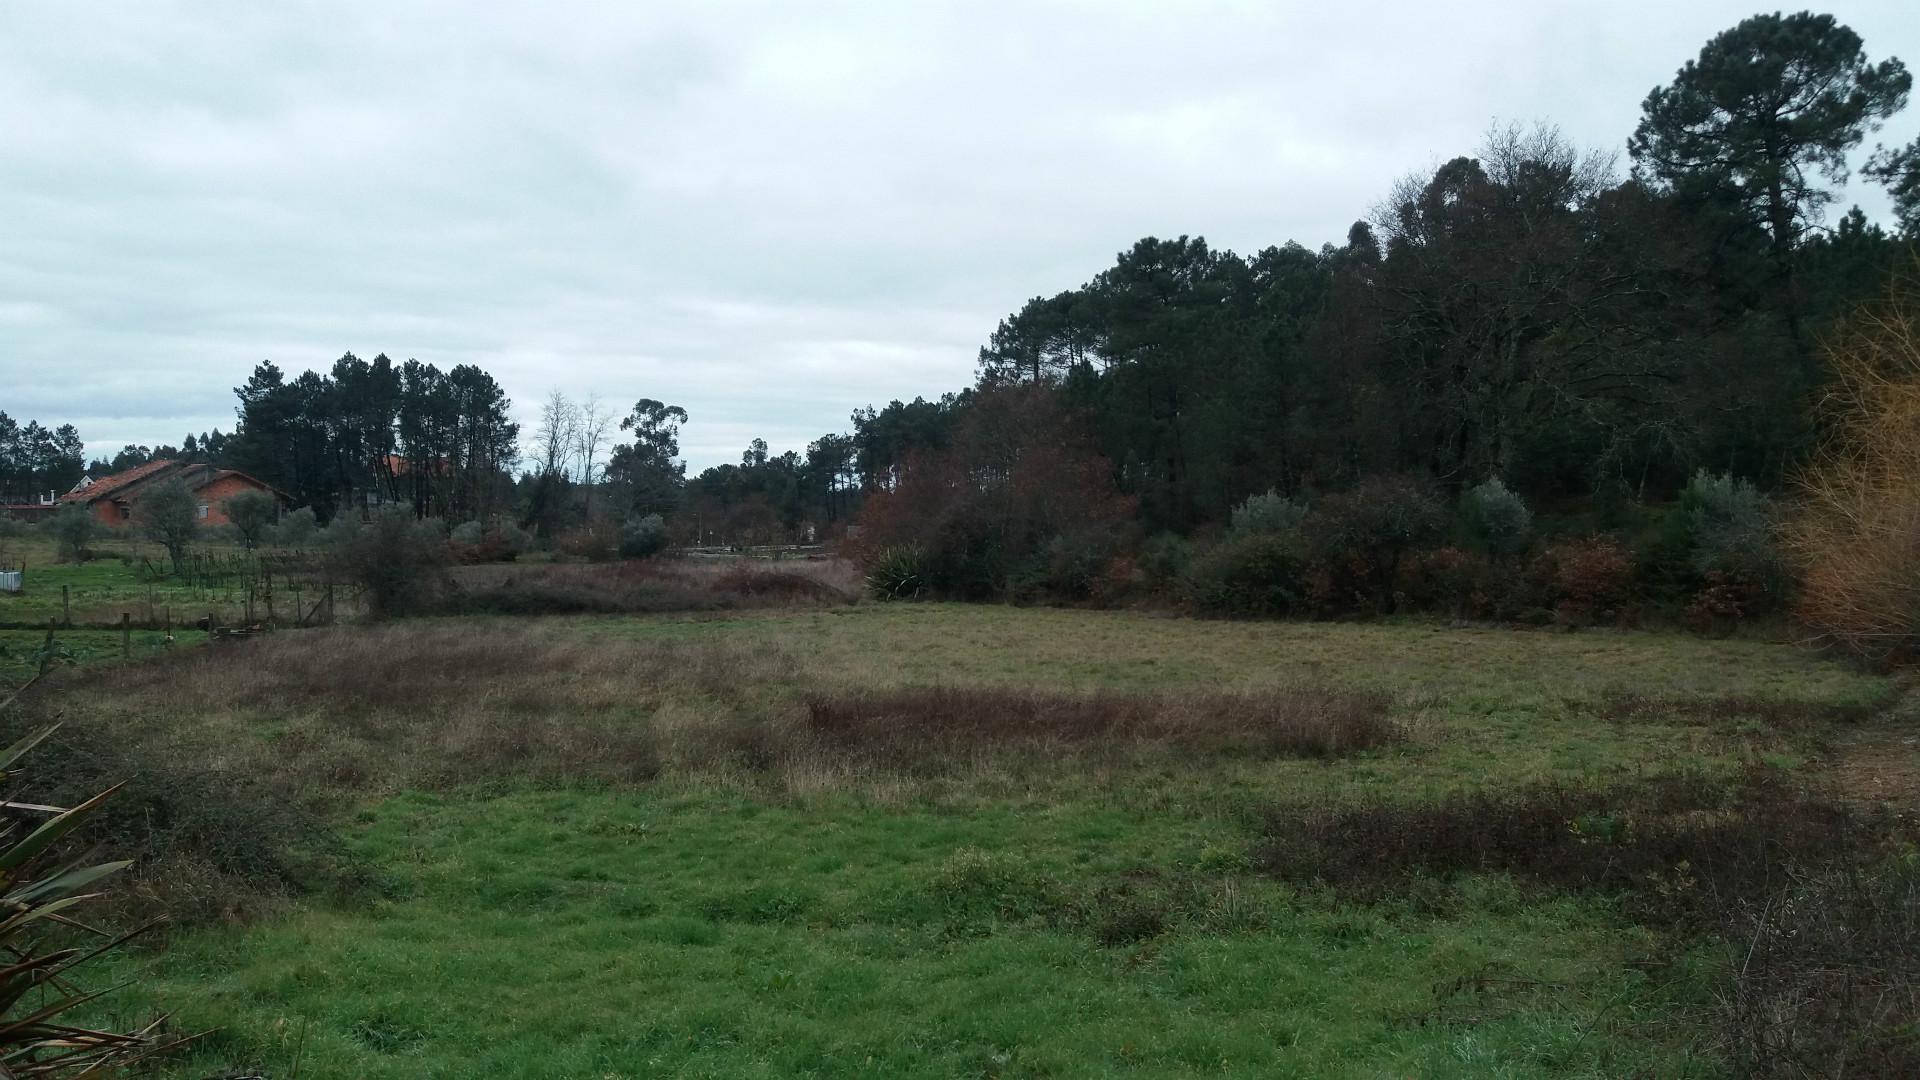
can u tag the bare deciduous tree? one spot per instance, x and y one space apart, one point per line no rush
593 422
558 433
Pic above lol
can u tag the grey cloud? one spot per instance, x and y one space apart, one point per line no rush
770 213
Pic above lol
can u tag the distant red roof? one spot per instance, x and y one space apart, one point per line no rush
195 476
107 486
396 465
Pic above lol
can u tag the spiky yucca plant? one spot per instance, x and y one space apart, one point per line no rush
39 884
898 573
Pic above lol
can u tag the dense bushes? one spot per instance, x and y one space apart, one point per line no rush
1358 538
1250 575
296 528
1385 545
1495 520
643 537
398 563
1378 548
1589 580
1018 504
1269 513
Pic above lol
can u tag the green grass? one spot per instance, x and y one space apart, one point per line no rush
1081 913
593 934
19 648
124 575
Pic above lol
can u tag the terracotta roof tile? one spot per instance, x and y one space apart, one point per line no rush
108 485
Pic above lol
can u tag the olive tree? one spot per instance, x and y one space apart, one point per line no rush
72 528
171 517
251 513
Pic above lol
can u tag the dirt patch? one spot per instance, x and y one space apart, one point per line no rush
1878 761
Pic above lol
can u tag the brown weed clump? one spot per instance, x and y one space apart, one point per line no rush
1828 977
1786 715
1687 839
921 722
1856 535
652 586
1820 917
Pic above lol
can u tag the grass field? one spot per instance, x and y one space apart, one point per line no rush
938 840
124 576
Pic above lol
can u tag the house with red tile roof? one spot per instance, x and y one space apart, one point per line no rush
115 500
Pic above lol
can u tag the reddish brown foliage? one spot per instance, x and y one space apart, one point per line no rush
1018 470
1590 580
913 723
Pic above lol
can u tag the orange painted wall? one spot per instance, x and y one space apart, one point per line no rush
107 511
216 493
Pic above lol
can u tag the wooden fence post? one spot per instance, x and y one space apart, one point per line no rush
126 635
66 610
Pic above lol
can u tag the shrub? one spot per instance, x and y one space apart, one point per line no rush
252 513
1726 520
1070 568
296 528
1446 581
399 564
643 537
73 528
1268 513
518 541
1730 541
1359 537
1857 537
340 531
1164 559
468 533
1587 581
1496 520
39 877
898 573
1249 575
596 541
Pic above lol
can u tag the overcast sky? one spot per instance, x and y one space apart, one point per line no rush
768 213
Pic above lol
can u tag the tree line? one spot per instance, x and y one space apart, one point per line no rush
1536 312
1530 312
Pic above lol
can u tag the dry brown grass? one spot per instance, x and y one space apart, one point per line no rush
1682 845
1781 714
645 587
1800 888
918 724
1857 534
442 704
